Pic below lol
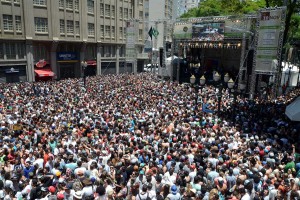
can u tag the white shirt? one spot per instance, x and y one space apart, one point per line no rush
246 197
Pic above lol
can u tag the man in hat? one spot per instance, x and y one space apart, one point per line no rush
174 195
88 189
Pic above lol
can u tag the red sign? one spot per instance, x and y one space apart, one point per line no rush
41 63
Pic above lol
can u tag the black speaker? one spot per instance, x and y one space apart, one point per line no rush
250 62
161 55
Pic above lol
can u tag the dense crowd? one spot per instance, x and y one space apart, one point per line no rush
138 137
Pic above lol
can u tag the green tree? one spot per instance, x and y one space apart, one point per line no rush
225 7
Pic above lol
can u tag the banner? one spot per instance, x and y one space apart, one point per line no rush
183 31
269 38
131 35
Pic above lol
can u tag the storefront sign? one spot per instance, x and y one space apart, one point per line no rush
67 56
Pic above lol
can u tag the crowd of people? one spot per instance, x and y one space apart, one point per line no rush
138 137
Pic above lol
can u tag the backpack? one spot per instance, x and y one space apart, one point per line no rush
147 198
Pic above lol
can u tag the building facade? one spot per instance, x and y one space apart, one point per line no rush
57 35
184 5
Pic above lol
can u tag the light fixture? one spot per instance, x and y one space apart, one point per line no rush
216 76
230 84
192 79
202 80
226 78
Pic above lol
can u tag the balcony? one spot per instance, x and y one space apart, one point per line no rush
143 56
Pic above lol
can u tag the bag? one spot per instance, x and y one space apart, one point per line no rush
147 198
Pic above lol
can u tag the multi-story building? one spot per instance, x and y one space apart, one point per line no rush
159 14
184 5
64 33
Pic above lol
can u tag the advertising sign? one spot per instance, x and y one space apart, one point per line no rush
271 23
236 27
67 56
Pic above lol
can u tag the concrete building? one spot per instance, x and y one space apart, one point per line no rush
184 5
63 33
159 11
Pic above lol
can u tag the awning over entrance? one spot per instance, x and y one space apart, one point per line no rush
44 73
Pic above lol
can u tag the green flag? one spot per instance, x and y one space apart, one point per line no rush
155 33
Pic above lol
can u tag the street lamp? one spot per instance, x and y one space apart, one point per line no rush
217 78
202 80
195 86
84 65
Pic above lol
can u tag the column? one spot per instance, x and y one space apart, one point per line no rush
30 64
118 60
53 60
99 49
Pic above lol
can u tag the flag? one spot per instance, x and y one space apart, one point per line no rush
206 109
153 32
150 32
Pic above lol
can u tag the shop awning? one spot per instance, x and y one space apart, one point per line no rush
92 62
44 73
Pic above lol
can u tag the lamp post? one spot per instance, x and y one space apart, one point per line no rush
217 78
84 65
196 87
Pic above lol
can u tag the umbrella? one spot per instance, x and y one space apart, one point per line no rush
292 111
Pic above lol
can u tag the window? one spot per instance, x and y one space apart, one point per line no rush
113 34
140 33
21 50
9 1
69 4
101 9
102 31
90 5
7 23
40 2
121 13
70 27
77 28
141 1
1 51
76 4
16 1
18 23
91 29
107 10
62 26
61 3
130 13
121 32
125 13
107 31
41 25
141 15
113 11
10 50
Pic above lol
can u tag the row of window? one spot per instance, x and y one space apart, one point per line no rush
68 26
10 1
10 50
69 4
8 23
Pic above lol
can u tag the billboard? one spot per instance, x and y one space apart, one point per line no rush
236 27
269 38
208 31
182 31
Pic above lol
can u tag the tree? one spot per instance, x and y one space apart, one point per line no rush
224 7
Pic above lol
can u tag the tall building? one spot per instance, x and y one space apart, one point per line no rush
40 36
159 11
184 5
